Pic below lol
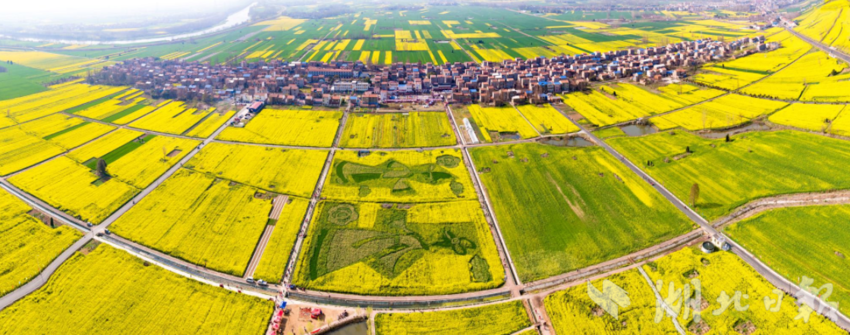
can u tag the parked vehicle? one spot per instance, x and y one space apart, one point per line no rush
250 280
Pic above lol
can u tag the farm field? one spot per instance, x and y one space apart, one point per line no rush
54 100
173 118
573 312
723 272
20 81
71 185
808 116
498 123
609 132
723 112
36 141
399 249
111 109
812 245
209 125
287 127
201 219
763 163
769 62
726 79
562 209
496 319
61 64
614 104
397 130
131 297
825 23
75 189
547 120
814 77
287 171
399 176
28 244
276 256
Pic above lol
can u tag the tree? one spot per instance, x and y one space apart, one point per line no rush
101 168
694 194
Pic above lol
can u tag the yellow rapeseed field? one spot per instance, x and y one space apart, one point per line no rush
27 245
572 310
143 165
209 125
57 99
434 270
33 142
496 319
724 272
48 61
726 111
397 130
104 145
173 118
201 219
501 120
807 116
336 188
287 127
286 171
109 291
547 120
70 187
277 253
282 23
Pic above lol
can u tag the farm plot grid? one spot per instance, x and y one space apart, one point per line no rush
71 184
201 219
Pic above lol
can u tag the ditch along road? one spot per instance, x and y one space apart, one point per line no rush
772 276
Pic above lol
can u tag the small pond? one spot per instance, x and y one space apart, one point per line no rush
359 328
638 129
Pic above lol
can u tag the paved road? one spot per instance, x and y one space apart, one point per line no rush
823 47
511 278
110 219
45 274
314 200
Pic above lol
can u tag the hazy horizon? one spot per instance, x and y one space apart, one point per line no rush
103 11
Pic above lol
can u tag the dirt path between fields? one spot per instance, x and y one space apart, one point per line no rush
757 206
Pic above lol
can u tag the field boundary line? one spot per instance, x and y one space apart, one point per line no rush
659 300
526 120
39 280
757 206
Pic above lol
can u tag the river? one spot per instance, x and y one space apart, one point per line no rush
232 20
